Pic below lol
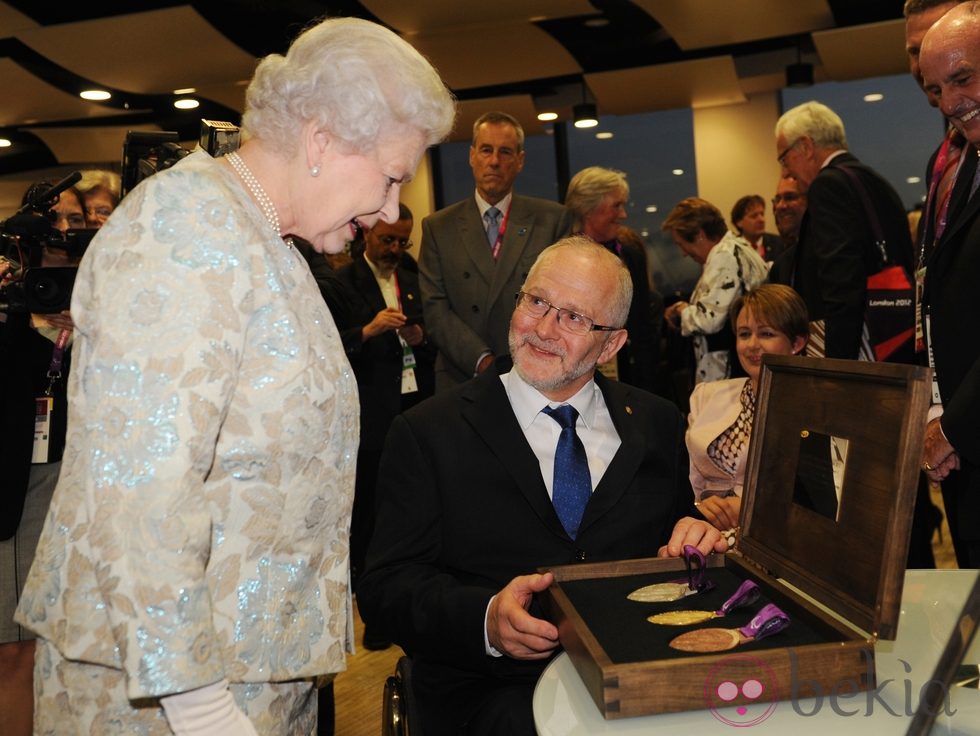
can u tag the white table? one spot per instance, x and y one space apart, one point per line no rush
931 603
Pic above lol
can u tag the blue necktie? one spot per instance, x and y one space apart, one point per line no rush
492 216
572 486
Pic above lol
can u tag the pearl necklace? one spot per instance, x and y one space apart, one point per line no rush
261 198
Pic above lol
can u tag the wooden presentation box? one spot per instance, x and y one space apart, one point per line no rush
848 428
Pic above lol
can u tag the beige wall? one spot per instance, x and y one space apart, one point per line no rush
418 196
735 152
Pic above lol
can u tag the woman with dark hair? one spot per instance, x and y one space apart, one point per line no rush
193 572
770 319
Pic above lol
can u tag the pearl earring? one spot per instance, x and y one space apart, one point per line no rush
314 171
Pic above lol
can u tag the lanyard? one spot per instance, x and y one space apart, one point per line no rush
500 233
940 215
57 358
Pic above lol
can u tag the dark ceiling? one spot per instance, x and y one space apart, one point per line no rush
53 51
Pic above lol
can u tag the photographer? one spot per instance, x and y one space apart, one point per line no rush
30 346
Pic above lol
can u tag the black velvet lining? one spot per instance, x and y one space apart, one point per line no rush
621 627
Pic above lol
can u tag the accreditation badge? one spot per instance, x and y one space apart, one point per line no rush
44 405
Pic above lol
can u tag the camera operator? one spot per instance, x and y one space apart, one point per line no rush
100 191
34 362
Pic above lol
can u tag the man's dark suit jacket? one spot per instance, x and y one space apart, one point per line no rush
377 364
950 299
469 297
836 253
463 509
637 360
25 358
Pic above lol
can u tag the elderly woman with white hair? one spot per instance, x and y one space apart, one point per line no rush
192 576
596 199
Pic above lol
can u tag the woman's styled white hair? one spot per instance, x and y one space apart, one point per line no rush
351 77
589 187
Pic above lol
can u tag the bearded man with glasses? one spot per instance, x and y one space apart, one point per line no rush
473 487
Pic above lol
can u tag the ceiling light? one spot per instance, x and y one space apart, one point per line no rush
585 115
5 143
604 135
186 103
678 172
913 180
651 208
874 97
185 91
96 95
547 117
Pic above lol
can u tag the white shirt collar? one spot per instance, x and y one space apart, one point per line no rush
831 157
503 205
527 402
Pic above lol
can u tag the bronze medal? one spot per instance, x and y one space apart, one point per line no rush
681 618
660 593
706 640
770 620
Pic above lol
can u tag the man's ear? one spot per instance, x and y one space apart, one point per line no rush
614 342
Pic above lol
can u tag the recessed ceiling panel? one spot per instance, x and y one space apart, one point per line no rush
699 24
154 52
84 145
25 97
520 106
871 50
493 54
430 15
701 83
13 21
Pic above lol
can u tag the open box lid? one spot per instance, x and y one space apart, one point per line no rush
831 481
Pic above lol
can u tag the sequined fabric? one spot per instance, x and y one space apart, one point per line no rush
728 447
199 529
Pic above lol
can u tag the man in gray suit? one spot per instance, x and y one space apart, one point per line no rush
475 254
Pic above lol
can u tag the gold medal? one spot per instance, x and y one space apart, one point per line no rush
681 618
747 594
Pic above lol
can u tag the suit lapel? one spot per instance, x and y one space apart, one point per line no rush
370 291
487 409
961 209
368 287
626 462
473 239
520 222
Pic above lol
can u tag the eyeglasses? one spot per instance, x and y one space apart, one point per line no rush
390 240
572 322
781 158
788 197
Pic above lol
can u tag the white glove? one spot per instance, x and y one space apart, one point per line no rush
206 711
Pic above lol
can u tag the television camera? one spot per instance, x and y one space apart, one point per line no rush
25 285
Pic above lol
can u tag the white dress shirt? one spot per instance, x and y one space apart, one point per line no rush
594 427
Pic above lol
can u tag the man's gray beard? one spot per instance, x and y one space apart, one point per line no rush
570 375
